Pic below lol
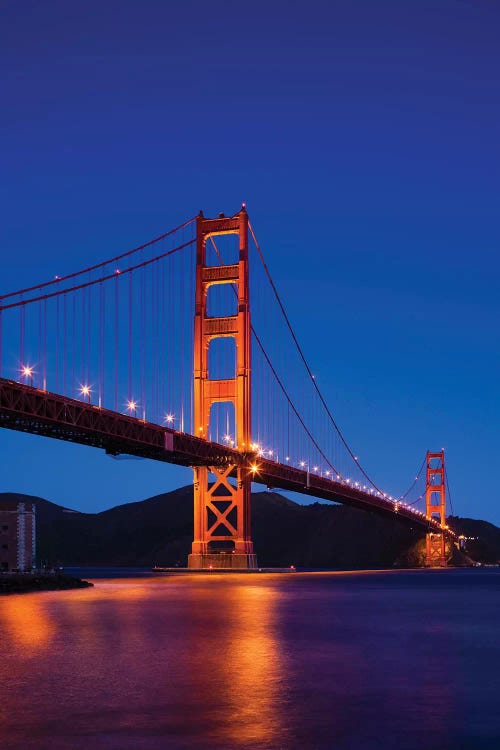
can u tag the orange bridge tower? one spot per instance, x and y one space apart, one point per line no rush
222 508
435 507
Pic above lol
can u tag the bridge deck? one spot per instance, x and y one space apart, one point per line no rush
39 412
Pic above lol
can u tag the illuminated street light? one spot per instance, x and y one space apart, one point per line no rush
169 418
132 407
27 372
85 390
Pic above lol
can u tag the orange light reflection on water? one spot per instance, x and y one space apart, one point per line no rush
250 663
24 621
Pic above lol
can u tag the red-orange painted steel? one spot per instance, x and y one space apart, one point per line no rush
435 509
222 510
28 409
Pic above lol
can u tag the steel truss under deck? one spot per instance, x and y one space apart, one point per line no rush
28 409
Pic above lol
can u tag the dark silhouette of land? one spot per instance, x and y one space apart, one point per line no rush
27 582
159 531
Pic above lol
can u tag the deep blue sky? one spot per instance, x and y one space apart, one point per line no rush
364 138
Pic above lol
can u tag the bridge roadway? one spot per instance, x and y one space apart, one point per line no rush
28 409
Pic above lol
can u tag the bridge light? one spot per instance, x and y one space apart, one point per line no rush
270 453
85 390
169 418
132 406
315 468
327 473
27 371
254 468
302 464
287 458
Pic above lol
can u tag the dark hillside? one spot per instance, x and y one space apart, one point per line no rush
158 531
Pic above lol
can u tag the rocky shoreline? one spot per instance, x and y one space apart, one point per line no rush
23 583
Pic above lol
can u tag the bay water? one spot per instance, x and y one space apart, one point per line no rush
360 660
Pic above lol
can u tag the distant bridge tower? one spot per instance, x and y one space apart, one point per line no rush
222 511
435 507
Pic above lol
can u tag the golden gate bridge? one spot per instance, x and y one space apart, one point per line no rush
109 357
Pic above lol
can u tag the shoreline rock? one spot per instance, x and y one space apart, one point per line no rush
19 583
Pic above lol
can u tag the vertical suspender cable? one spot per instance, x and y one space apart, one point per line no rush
45 345
116 341
57 333
101 344
302 356
182 322
130 336
73 348
65 339
143 339
21 336
89 332
83 334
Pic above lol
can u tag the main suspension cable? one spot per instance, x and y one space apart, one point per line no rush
59 279
84 285
279 381
449 493
306 365
414 481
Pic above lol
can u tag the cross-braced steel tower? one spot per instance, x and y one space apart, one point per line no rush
222 509
435 508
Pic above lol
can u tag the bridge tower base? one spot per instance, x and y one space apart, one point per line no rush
222 537
435 507
221 520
